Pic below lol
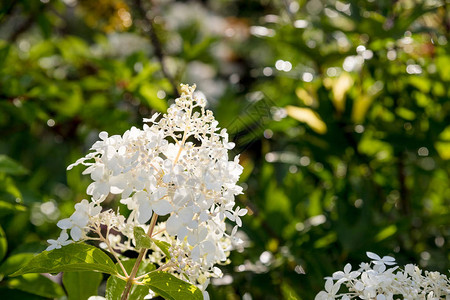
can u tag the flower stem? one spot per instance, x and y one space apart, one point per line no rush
165 266
111 250
142 253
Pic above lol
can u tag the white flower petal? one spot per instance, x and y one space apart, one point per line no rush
76 233
103 135
173 224
372 255
242 212
230 216
144 212
63 236
64 224
51 247
162 207
182 233
329 285
347 268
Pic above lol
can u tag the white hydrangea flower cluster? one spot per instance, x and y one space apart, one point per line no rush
184 261
176 166
377 281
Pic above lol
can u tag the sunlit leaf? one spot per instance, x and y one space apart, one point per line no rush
386 232
142 239
172 288
303 95
163 246
443 148
71 258
360 108
405 113
308 116
340 88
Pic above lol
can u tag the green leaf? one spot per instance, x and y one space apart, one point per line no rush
143 76
70 258
149 94
10 208
3 244
326 240
8 188
10 166
45 25
142 239
65 99
198 50
14 262
20 257
4 51
171 288
115 285
13 294
81 285
164 246
36 284
386 232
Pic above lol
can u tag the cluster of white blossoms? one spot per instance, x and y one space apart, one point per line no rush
377 281
176 167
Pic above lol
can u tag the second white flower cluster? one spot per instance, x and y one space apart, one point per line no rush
378 281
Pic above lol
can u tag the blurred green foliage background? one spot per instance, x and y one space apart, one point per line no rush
340 111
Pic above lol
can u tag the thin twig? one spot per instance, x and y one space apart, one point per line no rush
21 29
8 10
29 21
142 253
106 241
404 194
165 266
149 22
158 232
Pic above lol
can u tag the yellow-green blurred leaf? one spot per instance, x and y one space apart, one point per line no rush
149 92
340 88
405 113
326 240
307 116
421 83
303 95
143 76
386 232
443 148
360 108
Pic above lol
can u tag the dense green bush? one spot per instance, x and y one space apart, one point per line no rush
340 111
